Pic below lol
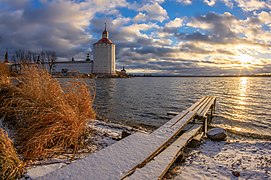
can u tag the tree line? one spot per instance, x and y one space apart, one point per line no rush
42 57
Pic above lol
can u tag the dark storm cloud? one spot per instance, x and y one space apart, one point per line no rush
158 51
196 37
28 28
189 47
219 30
220 23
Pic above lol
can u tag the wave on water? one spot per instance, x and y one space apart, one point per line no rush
241 130
243 103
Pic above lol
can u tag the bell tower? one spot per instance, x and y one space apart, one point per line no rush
105 33
104 55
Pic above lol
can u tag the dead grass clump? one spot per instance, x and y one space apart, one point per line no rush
48 119
11 167
4 75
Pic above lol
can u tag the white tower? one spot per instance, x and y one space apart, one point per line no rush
104 55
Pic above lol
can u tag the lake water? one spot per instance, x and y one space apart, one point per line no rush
243 105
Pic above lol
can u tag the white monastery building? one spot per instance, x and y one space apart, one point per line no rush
104 55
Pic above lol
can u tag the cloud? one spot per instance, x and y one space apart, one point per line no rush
177 22
219 27
252 5
214 47
150 39
265 17
14 4
186 2
140 17
245 5
210 2
154 12
52 25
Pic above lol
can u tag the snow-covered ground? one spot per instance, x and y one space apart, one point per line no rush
231 159
104 134
225 160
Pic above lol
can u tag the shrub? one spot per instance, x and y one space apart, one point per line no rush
11 167
47 118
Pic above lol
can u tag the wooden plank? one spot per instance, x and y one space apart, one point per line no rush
198 137
195 107
203 105
171 129
158 140
197 104
157 168
108 163
196 140
173 120
179 116
207 107
206 104
122 158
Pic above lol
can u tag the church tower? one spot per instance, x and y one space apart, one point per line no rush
104 55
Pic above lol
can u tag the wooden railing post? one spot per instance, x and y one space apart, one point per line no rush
205 124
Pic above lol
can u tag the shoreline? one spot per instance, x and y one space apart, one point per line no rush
210 160
104 135
232 159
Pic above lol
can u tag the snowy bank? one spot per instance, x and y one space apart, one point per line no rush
225 160
104 134
232 159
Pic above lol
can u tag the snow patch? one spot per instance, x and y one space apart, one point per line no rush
225 160
104 134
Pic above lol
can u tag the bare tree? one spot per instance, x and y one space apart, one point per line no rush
50 59
44 57
20 56
34 57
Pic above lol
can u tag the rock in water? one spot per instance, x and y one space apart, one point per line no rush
217 134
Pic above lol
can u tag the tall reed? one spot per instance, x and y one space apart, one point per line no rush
48 118
11 167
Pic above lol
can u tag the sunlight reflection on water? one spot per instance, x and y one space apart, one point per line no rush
243 103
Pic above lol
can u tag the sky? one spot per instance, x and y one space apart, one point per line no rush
166 37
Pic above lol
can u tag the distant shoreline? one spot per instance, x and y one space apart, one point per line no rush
200 76
166 76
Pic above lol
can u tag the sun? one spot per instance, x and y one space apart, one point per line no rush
245 60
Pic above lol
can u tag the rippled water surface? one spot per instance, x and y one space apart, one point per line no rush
244 104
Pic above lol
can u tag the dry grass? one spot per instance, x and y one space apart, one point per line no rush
4 74
11 167
47 118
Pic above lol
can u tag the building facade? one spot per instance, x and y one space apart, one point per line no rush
104 56
70 68
82 67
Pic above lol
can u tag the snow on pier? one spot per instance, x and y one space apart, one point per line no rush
140 155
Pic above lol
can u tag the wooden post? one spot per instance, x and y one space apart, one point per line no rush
212 111
205 124
214 104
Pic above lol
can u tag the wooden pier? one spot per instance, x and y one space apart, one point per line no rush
140 155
